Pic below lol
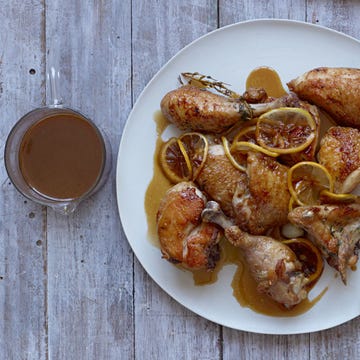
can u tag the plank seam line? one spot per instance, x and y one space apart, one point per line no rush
44 210
132 104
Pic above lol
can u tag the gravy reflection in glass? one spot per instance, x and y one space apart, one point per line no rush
61 156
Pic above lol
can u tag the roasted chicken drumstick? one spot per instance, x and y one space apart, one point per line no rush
195 109
273 265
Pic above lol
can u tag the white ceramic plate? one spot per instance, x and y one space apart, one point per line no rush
229 54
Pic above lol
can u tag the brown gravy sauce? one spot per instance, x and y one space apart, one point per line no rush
244 287
267 78
61 156
159 184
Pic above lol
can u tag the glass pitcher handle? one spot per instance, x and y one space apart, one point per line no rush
53 76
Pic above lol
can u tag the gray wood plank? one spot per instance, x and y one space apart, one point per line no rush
23 243
90 266
264 347
164 329
338 15
341 342
232 11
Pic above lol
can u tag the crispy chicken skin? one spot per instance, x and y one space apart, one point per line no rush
191 108
183 237
335 229
273 265
261 202
340 154
219 178
257 200
195 109
335 90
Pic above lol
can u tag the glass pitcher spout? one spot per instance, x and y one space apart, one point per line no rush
65 208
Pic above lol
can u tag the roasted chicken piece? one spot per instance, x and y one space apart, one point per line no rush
219 178
195 109
257 200
335 90
340 154
184 238
192 108
335 229
256 95
273 265
261 202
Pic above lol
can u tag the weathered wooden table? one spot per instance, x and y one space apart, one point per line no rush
70 287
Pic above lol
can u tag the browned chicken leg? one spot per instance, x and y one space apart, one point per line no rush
184 238
335 90
192 108
335 230
273 265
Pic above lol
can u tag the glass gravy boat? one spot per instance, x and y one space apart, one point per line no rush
17 149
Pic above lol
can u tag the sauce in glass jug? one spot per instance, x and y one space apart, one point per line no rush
62 156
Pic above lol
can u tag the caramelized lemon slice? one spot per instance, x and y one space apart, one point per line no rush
330 197
285 130
234 130
196 147
292 203
245 146
240 161
309 256
246 134
174 161
306 181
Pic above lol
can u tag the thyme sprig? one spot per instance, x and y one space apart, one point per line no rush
207 81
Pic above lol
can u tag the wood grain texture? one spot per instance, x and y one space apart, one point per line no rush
70 287
341 342
23 263
90 266
232 11
161 29
338 15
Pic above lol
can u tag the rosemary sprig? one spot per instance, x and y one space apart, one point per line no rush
207 81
